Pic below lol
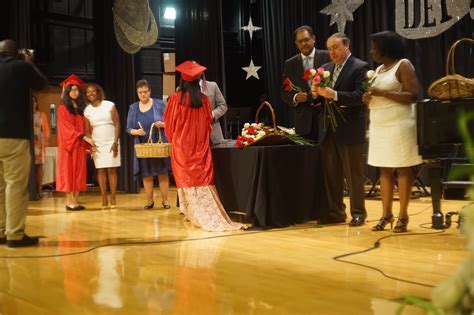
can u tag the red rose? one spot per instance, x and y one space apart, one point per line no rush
287 86
239 143
251 131
317 79
251 140
320 71
307 75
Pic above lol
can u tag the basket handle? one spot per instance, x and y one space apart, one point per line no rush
265 103
450 69
160 140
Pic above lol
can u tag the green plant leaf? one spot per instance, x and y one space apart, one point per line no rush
424 304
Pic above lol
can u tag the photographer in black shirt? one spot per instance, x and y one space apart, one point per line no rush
17 77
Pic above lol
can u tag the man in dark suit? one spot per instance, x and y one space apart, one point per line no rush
305 111
343 149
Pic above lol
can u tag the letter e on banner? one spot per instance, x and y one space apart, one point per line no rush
428 18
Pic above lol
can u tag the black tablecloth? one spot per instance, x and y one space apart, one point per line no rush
275 185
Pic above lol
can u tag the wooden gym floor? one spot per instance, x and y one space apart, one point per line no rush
133 261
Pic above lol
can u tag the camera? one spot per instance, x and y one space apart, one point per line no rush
21 52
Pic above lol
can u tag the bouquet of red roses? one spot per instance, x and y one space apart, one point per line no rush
322 78
318 76
251 133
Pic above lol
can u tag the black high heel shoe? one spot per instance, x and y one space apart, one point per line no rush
401 225
383 222
166 206
150 206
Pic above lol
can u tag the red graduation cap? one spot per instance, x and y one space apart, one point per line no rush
73 80
190 70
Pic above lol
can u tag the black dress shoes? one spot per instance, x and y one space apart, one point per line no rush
149 206
25 241
76 208
357 221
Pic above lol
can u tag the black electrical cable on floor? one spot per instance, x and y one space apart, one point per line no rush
377 245
134 243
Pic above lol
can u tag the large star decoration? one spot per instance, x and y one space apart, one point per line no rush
251 28
251 70
341 12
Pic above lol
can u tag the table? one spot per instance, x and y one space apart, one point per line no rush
49 166
277 186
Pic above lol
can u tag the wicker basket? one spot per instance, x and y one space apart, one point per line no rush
275 138
153 150
453 85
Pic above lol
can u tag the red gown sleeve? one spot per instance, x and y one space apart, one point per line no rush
170 117
67 132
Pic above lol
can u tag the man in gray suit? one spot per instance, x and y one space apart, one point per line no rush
218 106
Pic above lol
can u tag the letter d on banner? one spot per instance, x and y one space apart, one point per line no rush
428 18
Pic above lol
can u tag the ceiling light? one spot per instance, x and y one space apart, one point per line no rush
170 13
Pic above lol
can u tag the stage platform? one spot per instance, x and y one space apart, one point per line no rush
134 261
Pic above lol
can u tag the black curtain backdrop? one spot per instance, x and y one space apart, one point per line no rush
115 73
198 31
281 17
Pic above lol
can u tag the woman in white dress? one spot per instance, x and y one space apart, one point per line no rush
392 142
102 117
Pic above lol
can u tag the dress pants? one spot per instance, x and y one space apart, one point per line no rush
314 133
343 161
15 162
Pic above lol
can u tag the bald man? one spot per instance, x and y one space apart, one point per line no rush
17 77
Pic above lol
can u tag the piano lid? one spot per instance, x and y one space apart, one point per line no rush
437 130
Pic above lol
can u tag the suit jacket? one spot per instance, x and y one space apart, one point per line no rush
349 99
218 107
294 70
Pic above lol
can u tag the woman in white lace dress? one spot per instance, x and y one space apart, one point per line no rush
392 143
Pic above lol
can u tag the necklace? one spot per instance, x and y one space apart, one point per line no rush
385 68
144 107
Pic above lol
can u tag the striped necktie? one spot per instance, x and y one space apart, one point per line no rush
335 75
306 63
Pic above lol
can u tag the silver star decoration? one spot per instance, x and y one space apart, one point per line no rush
251 28
341 12
251 70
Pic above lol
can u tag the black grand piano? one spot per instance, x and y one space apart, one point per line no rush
440 142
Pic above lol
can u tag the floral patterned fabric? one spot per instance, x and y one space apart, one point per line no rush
41 135
201 206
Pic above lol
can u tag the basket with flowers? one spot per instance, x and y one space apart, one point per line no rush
257 134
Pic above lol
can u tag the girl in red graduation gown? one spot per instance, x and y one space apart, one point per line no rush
71 172
188 122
